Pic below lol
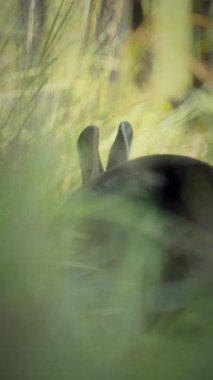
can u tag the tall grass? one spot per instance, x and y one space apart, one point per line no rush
74 304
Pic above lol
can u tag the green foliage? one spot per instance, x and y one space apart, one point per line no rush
74 305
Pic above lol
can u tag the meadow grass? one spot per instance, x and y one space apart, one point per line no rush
75 305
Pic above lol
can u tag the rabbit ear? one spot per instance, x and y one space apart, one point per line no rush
89 157
120 149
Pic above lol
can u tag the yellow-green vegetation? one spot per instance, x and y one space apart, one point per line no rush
66 312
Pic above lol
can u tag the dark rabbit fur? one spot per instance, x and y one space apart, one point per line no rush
179 184
179 187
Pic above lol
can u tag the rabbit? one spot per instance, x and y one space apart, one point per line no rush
167 180
180 187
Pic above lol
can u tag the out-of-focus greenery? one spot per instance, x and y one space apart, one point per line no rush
67 311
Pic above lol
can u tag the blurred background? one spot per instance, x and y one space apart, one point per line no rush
66 64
